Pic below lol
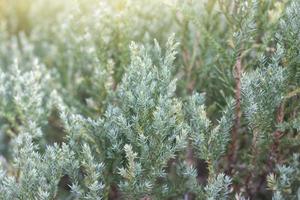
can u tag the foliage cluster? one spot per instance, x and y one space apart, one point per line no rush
93 107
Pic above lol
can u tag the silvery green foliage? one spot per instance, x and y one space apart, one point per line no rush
143 96
94 38
218 188
210 142
92 172
26 101
35 175
245 25
184 182
290 21
144 129
289 35
126 129
145 123
262 92
157 130
285 181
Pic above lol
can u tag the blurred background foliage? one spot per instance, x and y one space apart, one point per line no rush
84 28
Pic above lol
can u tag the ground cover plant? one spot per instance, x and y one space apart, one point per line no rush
146 100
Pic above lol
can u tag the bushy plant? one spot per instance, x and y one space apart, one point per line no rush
93 107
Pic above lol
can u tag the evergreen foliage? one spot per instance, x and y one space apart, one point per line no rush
93 107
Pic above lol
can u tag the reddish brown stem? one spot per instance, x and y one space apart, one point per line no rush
273 155
234 142
274 158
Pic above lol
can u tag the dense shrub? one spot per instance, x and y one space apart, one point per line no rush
93 106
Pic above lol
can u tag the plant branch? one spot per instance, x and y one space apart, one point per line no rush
234 142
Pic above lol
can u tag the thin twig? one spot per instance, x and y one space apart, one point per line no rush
274 158
234 142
